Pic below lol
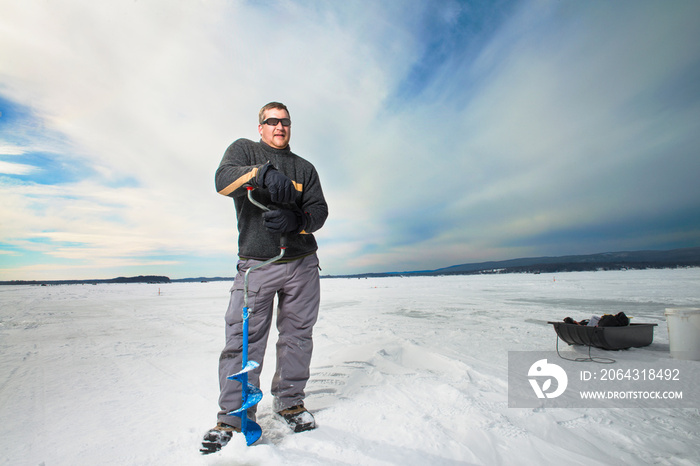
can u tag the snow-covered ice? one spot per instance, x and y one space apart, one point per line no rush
408 371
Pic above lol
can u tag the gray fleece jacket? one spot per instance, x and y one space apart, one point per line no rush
239 168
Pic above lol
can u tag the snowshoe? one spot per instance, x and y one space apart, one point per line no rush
298 418
217 438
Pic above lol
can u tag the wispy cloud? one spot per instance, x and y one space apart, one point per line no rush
9 168
9 149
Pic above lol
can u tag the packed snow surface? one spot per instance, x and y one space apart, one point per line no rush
406 371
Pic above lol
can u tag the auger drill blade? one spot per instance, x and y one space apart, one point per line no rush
251 396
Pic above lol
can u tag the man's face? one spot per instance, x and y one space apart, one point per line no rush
275 136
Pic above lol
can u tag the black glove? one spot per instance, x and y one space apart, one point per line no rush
279 186
282 220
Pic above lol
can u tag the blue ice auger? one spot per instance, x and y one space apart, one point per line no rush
251 394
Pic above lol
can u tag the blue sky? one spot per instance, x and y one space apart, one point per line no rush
444 132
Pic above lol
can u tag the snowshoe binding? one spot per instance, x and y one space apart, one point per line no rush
217 438
298 418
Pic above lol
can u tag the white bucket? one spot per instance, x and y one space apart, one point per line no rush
684 332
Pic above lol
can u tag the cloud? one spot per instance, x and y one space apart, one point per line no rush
9 149
560 123
442 134
159 101
9 168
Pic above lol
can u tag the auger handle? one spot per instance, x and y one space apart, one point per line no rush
251 199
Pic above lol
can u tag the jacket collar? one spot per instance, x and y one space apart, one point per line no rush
269 148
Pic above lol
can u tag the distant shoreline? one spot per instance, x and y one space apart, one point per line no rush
627 260
139 279
512 270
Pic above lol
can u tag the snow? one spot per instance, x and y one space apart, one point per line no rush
407 371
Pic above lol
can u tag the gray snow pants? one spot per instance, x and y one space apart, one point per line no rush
297 287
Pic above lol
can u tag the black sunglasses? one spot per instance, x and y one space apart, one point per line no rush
276 121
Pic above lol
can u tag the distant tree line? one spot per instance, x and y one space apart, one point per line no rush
139 279
580 267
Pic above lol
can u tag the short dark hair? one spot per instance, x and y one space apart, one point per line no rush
269 106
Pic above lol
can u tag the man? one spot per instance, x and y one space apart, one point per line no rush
291 187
